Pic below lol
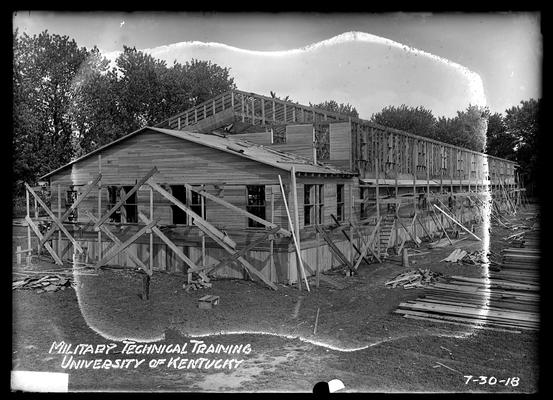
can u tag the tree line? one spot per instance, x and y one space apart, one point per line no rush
68 101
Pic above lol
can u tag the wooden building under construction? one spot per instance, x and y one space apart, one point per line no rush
202 192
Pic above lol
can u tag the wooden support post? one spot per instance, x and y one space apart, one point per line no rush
272 242
318 259
293 230
294 194
405 258
242 107
145 287
59 217
203 236
100 205
28 216
151 266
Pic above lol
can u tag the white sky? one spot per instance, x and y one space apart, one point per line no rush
494 59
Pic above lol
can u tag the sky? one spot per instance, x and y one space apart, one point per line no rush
440 61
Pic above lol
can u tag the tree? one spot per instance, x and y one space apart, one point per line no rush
467 129
416 120
95 113
500 142
332 105
44 67
522 122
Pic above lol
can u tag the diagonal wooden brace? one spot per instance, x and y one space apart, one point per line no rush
54 219
119 248
125 197
172 246
85 193
198 220
238 210
250 268
333 247
39 235
117 242
242 252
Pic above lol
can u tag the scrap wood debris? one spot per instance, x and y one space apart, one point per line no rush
200 283
458 255
46 283
414 278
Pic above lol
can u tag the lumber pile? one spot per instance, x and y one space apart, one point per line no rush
519 265
477 302
507 299
45 283
414 279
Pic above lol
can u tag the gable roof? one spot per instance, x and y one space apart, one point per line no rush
239 147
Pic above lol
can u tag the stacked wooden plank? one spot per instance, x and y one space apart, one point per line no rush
414 278
519 265
479 302
506 299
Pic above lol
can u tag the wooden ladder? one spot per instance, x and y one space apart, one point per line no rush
386 227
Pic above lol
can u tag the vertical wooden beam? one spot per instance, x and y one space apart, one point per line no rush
296 243
178 123
351 254
272 241
213 107
427 163
195 115
28 204
205 111
318 259
253 110
242 107
223 101
232 100
100 207
294 194
263 111
314 145
151 266
285 116
274 110
202 214
59 217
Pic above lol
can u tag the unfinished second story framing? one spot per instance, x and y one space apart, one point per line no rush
370 150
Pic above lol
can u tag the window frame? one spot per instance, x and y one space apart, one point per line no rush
254 208
314 209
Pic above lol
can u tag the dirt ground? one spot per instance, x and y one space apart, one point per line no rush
359 339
